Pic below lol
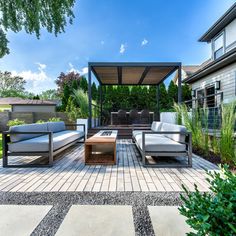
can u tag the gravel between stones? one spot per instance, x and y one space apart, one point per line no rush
62 202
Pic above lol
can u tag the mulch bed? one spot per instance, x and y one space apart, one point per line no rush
212 157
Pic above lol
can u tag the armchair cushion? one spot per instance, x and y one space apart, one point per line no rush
171 128
159 143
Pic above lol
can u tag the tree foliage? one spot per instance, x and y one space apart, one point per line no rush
50 94
10 84
67 79
32 16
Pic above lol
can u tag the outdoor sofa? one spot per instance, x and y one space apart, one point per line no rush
47 139
164 139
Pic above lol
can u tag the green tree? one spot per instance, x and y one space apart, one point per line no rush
186 92
172 93
65 96
94 91
11 84
68 79
83 84
32 16
49 94
75 85
164 98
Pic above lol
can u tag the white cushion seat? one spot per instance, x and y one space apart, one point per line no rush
41 143
159 143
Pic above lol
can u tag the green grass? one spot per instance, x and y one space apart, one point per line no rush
4 107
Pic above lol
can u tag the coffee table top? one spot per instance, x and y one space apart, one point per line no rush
103 136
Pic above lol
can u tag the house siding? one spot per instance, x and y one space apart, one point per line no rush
33 108
227 79
230 35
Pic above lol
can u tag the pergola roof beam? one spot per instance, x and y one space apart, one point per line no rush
144 74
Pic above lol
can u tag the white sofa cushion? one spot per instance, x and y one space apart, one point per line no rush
159 143
171 128
156 126
27 128
56 126
41 144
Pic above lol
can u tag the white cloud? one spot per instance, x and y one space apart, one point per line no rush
41 66
123 48
102 42
82 71
36 81
144 42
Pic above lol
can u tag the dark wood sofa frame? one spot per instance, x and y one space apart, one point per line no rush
50 154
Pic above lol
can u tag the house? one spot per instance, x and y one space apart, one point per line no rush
187 70
27 105
215 80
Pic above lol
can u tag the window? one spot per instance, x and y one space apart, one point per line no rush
200 98
218 46
210 100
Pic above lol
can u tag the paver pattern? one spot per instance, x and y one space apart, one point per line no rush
70 173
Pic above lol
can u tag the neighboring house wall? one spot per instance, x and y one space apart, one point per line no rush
227 78
230 35
33 108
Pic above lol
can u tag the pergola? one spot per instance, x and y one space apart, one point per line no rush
131 73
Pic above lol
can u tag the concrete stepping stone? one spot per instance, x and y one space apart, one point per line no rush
167 221
105 220
20 220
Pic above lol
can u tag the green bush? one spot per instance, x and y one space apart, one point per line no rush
212 213
81 99
40 122
54 119
227 141
15 122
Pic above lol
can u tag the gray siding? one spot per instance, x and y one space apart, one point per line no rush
227 78
33 108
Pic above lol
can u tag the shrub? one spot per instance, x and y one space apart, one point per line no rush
72 111
15 122
54 119
40 122
227 141
81 100
212 213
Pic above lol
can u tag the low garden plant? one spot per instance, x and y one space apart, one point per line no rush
15 122
212 213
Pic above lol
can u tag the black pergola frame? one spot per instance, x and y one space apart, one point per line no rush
177 66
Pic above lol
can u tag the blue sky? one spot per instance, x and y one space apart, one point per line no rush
109 30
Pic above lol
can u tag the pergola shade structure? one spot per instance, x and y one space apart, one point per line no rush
130 73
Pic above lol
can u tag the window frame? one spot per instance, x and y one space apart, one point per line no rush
222 33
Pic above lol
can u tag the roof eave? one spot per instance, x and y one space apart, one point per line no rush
224 20
223 61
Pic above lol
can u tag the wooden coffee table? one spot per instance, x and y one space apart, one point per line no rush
101 148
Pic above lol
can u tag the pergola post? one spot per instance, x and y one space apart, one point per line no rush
180 84
101 104
89 98
158 101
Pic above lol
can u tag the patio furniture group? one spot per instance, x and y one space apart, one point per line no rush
44 140
51 138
